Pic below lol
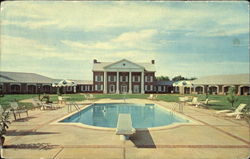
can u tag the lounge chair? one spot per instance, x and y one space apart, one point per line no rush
238 110
42 105
2 111
37 103
194 102
124 126
17 110
152 96
203 103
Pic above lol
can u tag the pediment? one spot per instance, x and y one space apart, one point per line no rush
124 64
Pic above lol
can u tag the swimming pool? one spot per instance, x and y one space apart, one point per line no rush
143 115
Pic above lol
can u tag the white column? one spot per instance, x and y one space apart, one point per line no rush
130 83
142 82
117 83
105 82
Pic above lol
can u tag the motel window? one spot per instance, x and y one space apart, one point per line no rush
148 87
136 78
69 88
148 78
123 78
82 88
159 88
98 87
112 78
98 78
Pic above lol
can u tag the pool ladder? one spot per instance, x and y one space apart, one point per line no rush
73 104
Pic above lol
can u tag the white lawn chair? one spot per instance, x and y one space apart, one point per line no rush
17 110
194 102
238 110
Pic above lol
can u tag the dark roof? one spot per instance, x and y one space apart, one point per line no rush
21 77
164 83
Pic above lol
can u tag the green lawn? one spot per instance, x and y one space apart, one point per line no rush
220 100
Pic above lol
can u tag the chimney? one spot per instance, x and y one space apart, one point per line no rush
153 61
95 61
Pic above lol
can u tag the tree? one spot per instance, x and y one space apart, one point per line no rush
178 78
231 97
163 78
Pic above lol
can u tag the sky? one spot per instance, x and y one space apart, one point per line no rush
60 39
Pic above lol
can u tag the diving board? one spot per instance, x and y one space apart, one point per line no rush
124 126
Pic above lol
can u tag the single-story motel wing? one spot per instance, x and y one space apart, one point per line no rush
121 77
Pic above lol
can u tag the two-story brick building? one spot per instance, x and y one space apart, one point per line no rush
123 76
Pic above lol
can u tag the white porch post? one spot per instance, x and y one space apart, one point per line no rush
142 82
105 82
203 89
239 90
117 83
130 83
218 89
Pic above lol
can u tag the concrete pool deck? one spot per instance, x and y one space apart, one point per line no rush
213 138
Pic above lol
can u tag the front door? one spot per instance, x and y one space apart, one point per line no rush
136 88
112 89
124 89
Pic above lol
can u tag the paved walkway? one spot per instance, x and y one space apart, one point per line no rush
212 138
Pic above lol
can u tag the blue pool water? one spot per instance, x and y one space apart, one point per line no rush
143 115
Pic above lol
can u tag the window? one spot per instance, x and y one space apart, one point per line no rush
136 78
159 88
98 78
98 87
123 78
148 87
112 78
68 88
82 88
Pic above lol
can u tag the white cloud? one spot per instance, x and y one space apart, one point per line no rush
135 40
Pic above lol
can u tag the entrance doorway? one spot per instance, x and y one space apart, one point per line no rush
124 89
136 88
112 89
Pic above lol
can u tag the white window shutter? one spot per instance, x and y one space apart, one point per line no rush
151 78
96 87
126 78
101 87
139 79
146 88
95 78
146 79
109 78
151 87
120 78
114 78
133 78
